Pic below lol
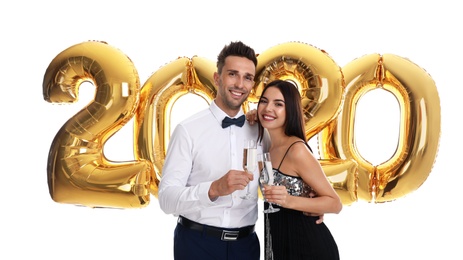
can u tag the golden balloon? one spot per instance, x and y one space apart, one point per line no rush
158 96
419 131
78 172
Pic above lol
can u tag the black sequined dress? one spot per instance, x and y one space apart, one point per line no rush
292 234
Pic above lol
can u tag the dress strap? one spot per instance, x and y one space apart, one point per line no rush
287 150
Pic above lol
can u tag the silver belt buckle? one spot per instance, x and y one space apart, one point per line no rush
228 235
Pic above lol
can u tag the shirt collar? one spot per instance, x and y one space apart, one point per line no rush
219 114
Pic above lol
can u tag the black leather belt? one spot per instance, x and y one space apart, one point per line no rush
223 234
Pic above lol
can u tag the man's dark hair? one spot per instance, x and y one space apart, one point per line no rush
235 49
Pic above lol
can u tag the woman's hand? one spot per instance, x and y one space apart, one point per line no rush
276 194
279 196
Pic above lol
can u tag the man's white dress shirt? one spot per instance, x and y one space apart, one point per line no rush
199 152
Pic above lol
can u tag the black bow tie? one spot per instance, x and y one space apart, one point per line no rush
226 122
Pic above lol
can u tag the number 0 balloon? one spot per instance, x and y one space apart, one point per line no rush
419 131
158 95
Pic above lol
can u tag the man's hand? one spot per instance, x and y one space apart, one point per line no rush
320 217
230 182
251 116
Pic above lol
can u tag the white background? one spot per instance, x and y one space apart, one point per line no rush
422 225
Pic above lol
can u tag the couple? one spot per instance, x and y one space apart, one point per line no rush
203 178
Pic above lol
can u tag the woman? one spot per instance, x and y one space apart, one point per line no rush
300 183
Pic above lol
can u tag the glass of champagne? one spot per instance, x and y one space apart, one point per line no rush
249 162
266 176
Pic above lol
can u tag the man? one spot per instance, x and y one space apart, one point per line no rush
203 178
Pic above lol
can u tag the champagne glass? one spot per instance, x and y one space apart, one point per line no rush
249 162
266 176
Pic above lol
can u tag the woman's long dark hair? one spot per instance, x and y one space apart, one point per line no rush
294 124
